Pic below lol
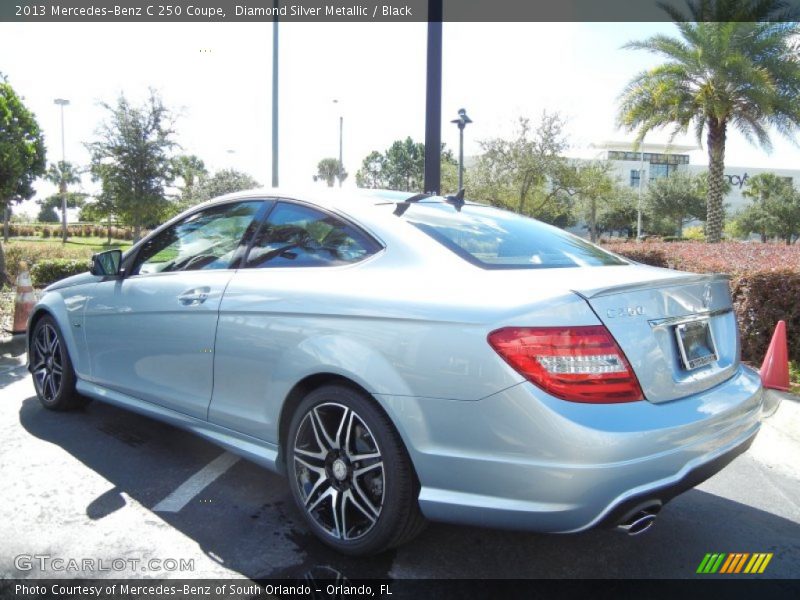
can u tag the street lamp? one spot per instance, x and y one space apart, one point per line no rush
639 204
462 121
63 184
341 128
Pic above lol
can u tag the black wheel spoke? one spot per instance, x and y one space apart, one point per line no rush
360 500
339 509
325 441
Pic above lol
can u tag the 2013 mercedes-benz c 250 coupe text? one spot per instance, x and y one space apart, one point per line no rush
402 358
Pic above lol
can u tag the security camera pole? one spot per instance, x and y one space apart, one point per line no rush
462 121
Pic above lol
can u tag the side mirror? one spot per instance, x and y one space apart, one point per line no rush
106 264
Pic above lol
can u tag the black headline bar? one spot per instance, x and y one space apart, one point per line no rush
349 11
730 588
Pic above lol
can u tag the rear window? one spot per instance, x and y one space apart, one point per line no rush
498 239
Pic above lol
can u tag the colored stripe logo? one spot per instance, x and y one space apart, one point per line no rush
736 562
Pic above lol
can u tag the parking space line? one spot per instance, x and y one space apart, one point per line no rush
196 483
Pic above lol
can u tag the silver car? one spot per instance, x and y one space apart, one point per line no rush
402 358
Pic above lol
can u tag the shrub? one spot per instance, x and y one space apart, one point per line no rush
34 252
45 232
765 283
643 253
761 299
48 271
694 233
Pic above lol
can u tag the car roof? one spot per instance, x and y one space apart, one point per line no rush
324 197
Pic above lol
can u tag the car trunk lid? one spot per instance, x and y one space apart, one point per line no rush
678 331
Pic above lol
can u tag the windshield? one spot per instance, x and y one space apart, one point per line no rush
498 239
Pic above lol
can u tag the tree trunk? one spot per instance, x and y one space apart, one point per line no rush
109 230
6 218
4 277
593 221
716 185
137 233
679 228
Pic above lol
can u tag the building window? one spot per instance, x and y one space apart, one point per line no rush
650 157
635 178
659 171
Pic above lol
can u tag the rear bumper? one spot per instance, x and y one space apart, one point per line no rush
522 459
662 493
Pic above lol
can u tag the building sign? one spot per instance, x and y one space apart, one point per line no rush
737 181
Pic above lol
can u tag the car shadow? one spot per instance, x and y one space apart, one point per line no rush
246 519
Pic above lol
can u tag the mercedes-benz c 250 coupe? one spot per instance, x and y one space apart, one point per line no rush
408 358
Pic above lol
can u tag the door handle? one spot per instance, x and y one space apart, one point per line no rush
195 296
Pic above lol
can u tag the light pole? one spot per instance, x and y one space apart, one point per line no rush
63 184
341 130
639 204
275 48
462 121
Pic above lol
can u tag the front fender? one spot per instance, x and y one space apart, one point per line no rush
67 311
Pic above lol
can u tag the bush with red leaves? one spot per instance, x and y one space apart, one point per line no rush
765 283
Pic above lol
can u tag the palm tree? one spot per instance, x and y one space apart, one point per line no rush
735 63
63 174
192 170
329 170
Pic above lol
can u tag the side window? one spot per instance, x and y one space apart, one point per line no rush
299 236
208 239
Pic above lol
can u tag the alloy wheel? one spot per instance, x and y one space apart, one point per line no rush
339 471
48 362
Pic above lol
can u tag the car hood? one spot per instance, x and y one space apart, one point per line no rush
71 281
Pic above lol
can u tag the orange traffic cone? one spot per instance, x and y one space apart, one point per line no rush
23 304
775 370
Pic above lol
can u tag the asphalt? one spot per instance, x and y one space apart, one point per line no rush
84 485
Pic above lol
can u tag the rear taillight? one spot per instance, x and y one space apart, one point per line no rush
581 364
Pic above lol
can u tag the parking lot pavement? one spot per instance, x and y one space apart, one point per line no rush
106 485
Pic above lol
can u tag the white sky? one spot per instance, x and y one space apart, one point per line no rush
218 76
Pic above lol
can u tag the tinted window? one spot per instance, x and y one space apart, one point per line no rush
300 236
205 240
499 239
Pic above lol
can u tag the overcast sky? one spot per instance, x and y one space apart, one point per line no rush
217 77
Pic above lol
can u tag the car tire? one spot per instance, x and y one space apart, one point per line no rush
51 367
350 474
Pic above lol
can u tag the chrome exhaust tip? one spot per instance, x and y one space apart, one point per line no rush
639 522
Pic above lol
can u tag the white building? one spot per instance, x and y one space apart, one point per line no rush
652 161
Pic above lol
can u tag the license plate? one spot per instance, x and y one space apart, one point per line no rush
696 344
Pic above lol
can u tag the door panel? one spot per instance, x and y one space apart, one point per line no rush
148 341
151 334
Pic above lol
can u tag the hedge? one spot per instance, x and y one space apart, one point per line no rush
34 252
765 283
48 271
52 230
